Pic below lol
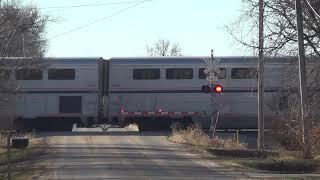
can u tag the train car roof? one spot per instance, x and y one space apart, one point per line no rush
70 60
195 60
61 60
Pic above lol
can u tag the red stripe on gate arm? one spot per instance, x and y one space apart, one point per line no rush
158 113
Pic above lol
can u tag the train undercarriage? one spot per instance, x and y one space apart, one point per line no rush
52 123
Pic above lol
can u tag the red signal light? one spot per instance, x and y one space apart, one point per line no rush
160 110
205 89
218 89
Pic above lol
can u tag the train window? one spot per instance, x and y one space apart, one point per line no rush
61 74
243 73
29 74
4 74
221 75
179 73
146 74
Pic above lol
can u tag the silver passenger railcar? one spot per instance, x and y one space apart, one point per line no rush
153 91
67 90
149 91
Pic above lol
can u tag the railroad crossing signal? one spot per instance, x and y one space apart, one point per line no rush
212 68
213 88
218 89
212 65
212 78
211 72
206 89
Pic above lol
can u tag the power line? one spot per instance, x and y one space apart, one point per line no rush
314 11
80 6
99 20
89 5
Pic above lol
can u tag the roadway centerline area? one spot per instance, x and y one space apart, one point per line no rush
124 153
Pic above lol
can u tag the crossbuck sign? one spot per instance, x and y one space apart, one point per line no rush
212 69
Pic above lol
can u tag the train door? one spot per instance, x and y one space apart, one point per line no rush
70 104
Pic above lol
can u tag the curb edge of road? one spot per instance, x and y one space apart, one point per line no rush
267 175
132 127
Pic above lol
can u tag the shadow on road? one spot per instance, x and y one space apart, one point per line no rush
107 133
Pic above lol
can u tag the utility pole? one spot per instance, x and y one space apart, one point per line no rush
9 155
260 80
302 75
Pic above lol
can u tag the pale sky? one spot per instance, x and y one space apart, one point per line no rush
197 25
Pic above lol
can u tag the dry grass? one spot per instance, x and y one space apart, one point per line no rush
30 135
194 135
19 155
291 139
228 150
284 162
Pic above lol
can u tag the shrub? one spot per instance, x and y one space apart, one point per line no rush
288 132
30 135
315 140
194 135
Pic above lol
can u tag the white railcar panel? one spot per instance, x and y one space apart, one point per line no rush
90 102
47 105
239 98
40 98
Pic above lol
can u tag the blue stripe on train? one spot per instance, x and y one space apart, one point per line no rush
189 91
54 92
144 91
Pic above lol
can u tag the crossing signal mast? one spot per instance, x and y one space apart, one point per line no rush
211 72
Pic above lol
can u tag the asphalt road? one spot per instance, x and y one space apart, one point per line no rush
124 153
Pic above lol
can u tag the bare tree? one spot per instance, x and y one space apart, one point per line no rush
280 27
281 40
163 47
22 30
288 128
22 35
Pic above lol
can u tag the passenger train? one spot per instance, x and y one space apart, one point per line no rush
149 91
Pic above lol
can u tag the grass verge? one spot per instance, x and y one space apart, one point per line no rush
284 162
18 156
229 153
194 135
